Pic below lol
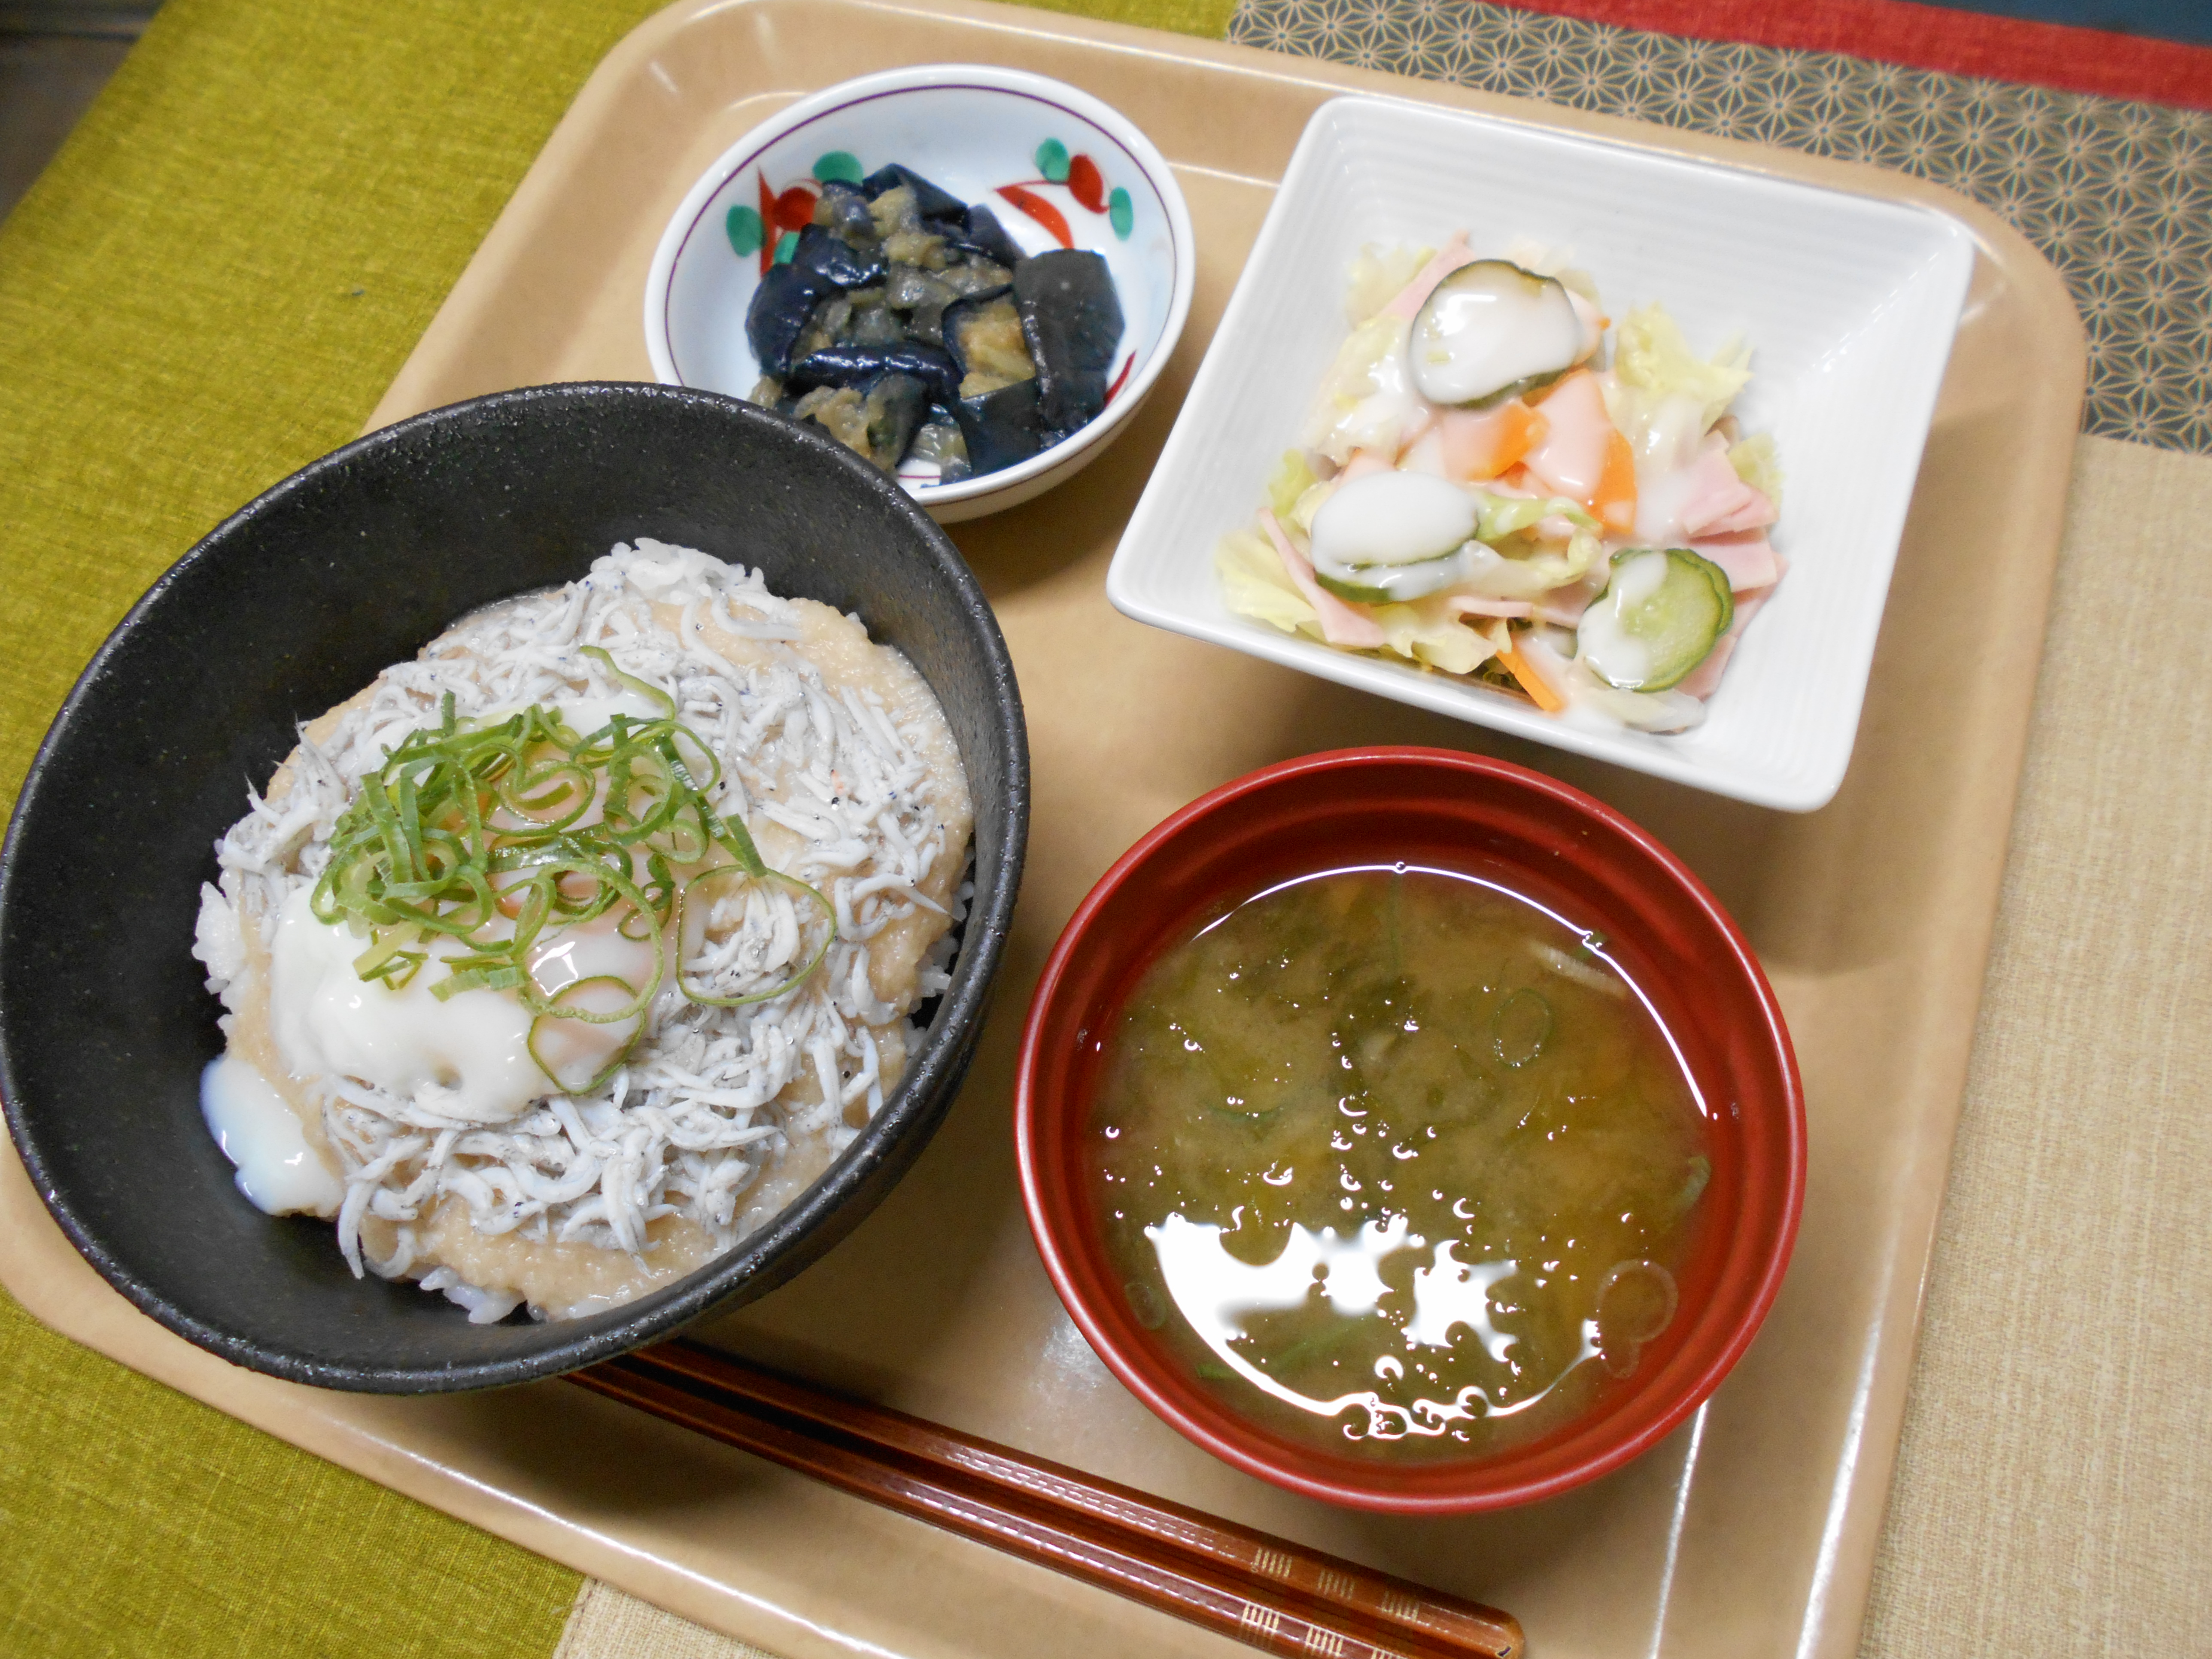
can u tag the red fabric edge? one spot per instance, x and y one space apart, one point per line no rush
1932 38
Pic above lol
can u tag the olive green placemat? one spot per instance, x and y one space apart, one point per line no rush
211 285
134 1521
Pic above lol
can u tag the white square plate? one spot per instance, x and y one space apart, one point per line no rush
1848 303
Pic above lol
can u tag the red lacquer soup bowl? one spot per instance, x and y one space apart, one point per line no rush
1554 847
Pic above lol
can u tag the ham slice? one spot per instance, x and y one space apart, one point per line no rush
1363 461
1583 456
1563 607
1750 562
1476 604
1415 295
1702 500
1705 678
1341 624
1571 460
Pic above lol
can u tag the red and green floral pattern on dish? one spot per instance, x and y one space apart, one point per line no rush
770 231
1084 182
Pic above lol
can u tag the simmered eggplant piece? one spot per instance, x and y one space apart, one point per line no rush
984 234
873 323
922 295
839 411
983 336
859 366
939 440
903 319
842 210
894 409
1001 427
783 306
825 328
1072 320
929 202
819 250
974 274
878 421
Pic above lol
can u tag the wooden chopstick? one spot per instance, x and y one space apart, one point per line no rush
1276 1595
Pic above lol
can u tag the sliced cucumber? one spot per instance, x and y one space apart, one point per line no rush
1393 536
1491 331
1392 518
1394 584
1660 616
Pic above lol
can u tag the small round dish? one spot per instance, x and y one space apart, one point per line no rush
1560 848
298 600
1058 167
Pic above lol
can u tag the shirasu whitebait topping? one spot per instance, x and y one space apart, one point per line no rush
729 1012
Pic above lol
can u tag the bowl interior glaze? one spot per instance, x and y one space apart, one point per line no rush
293 604
1550 842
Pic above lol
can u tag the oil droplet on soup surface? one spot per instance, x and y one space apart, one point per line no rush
1399 1162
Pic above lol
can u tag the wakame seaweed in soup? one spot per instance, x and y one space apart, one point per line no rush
1399 1163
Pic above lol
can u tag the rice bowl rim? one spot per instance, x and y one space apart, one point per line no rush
793 1238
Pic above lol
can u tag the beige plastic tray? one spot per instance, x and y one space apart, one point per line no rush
1752 1531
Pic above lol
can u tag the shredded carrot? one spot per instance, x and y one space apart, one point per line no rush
1530 681
1614 503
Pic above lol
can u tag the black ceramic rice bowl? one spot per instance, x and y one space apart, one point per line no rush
290 606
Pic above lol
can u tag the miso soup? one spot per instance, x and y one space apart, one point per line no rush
1398 1161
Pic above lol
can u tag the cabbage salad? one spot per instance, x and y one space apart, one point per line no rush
1483 490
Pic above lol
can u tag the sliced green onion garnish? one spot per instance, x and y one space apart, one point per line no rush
688 944
652 694
567 1084
472 825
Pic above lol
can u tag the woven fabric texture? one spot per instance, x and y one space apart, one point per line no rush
2054 1486
1956 39
136 1523
606 1624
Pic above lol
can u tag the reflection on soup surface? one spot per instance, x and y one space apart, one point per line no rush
1398 1161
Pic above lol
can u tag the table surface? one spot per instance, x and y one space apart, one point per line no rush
233 256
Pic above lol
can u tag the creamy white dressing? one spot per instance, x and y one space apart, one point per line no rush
1488 325
1665 446
1391 518
1603 640
1370 402
260 1134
